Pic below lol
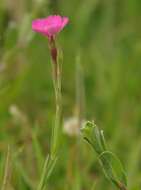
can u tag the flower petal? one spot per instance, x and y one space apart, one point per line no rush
49 26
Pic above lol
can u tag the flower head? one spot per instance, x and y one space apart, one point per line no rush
71 126
49 26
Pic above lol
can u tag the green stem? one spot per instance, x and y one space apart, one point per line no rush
57 87
122 187
52 158
6 171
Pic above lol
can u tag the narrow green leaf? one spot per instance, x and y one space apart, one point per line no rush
6 171
113 168
110 163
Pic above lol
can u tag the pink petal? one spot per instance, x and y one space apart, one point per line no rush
49 26
65 21
54 29
39 26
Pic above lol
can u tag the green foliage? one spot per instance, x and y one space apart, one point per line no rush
110 163
105 38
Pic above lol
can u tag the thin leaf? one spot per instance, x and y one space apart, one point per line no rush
6 171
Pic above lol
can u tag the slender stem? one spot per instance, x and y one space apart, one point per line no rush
122 187
57 87
52 158
42 179
6 171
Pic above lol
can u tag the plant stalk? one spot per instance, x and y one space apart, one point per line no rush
57 87
52 158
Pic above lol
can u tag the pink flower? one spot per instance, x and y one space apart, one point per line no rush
49 26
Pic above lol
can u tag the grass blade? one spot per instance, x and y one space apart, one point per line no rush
6 170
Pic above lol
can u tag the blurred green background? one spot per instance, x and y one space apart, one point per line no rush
104 36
